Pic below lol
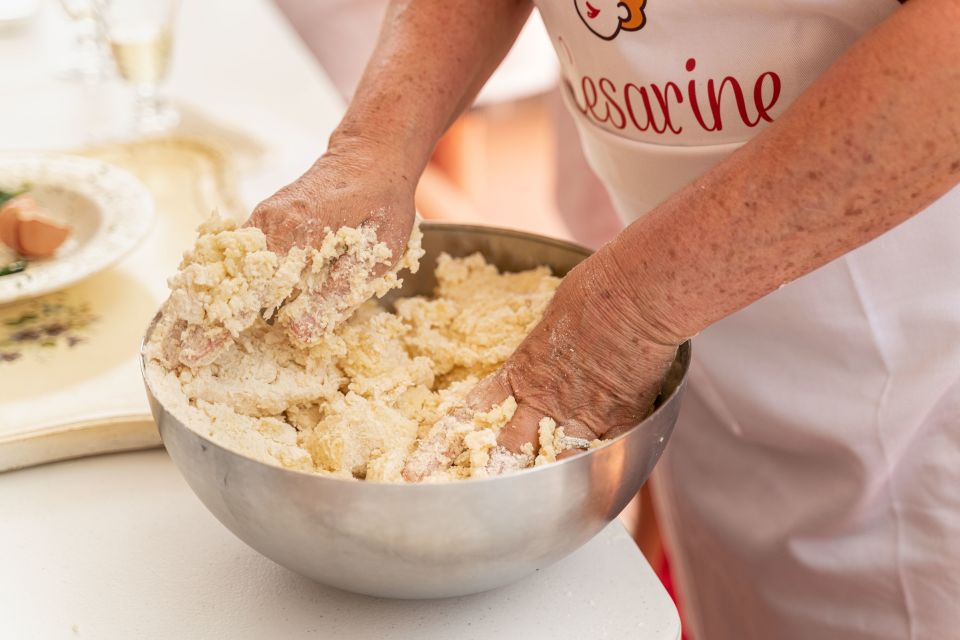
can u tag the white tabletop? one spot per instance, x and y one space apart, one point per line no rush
118 547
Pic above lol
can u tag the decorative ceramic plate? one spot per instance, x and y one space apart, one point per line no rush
107 209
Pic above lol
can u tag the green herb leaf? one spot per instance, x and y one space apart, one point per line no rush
14 267
9 195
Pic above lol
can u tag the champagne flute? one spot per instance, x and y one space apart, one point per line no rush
140 34
89 58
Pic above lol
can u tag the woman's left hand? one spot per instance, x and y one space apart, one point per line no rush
594 364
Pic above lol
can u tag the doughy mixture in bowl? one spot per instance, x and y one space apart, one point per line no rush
286 359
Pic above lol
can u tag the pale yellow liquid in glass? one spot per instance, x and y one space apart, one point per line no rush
143 60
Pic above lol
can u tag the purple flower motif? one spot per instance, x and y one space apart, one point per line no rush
26 335
55 329
48 322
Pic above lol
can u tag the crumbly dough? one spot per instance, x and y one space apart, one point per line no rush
352 393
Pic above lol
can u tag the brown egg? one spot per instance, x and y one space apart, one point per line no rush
40 237
9 221
25 229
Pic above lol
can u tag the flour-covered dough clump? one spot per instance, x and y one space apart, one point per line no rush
287 360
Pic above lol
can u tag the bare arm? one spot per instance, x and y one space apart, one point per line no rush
431 59
874 141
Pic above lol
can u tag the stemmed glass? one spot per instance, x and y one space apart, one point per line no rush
140 34
88 59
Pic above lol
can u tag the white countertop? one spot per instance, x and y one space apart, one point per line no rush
118 547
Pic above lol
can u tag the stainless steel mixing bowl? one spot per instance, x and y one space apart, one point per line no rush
429 540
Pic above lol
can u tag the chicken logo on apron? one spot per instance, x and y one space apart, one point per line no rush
607 18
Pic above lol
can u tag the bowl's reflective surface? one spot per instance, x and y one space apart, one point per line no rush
431 540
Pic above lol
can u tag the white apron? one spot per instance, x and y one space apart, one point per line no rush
812 486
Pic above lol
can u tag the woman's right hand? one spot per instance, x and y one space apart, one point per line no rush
357 184
354 184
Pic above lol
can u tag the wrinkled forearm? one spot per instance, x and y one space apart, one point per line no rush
431 59
874 141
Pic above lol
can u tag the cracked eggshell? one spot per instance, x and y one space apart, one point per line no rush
9 221
41 237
